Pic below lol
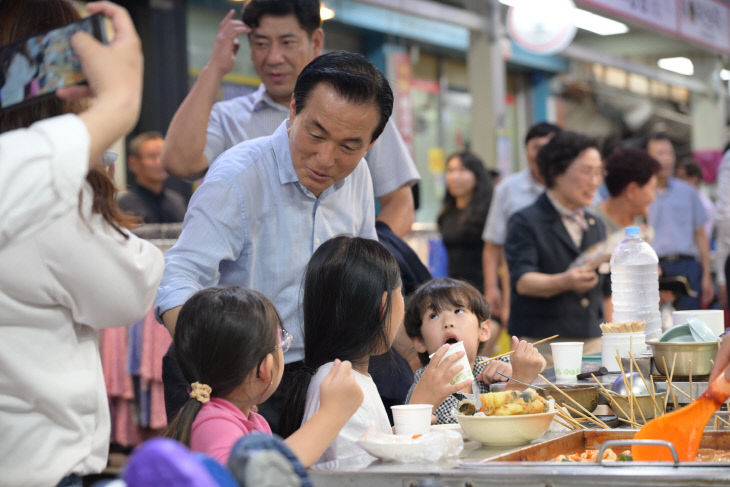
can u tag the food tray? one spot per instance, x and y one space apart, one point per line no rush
543 453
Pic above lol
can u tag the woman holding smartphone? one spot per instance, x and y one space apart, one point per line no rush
69 265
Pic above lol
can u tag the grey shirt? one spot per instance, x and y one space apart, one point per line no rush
513 193
256 115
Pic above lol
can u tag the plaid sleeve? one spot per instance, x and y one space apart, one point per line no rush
416 380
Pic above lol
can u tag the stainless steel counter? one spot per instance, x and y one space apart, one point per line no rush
467 471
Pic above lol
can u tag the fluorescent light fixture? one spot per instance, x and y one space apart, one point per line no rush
583 19
681 65
725 74
325 12
597 24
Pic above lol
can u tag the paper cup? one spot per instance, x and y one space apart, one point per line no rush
412 419
567 359
714 318
465 372
626 344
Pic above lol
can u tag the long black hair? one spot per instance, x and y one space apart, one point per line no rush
343 315
478 206
222 334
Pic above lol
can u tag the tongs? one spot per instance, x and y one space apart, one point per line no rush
523 383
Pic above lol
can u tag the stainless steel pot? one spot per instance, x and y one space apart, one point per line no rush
693 358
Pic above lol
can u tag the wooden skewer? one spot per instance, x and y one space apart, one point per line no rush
635 425
570 419
629 390
690 381
631 382
653 391
572 424
614 403
590 418
674 396
564 424
571 399
653 399
724 421
674 387
512 351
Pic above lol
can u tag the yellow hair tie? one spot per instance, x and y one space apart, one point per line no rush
200 392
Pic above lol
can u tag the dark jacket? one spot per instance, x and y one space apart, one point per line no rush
537 241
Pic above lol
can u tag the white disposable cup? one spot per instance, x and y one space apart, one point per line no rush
626 343
567 359
465 371
714 318
412 419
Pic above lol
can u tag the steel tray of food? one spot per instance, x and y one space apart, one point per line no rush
581 448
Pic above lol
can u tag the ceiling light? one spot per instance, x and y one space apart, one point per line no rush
725 74
586 20
325 12
598 24
681 65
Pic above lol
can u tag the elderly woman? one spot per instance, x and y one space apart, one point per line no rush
549 295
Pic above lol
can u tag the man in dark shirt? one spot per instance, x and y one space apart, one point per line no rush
148 198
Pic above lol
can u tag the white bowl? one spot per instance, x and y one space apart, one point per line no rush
518 429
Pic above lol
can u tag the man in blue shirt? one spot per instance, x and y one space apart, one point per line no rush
268 203
678 218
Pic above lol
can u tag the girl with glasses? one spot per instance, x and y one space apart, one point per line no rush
230 344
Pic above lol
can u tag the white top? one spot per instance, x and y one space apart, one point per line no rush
58 288
722 217
372 411
43 168
256 115
513 193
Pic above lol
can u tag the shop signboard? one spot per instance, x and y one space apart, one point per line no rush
706 22
703 22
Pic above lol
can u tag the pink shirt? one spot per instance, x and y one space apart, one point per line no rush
219 424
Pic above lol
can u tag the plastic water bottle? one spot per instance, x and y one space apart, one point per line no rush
635 283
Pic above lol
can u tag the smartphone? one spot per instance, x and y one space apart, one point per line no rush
38 66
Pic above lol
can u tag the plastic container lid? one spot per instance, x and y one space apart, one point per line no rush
632 231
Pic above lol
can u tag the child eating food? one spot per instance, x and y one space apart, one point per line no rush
446 311
353 308
230 344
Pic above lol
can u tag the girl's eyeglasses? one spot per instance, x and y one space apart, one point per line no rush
285 339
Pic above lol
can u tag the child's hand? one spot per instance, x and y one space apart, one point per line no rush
489 375
339 392
527 362
434 385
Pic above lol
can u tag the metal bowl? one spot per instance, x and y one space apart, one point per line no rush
585 395
692 358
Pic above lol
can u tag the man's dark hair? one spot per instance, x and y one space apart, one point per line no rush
625 166
691 168
306 12
353 77
557 155
541 129
656 136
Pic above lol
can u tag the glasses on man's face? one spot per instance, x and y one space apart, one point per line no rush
285 339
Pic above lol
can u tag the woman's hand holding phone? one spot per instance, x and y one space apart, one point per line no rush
114 74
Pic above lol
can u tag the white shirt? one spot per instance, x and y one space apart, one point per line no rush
372 411
58 288
513 193
256 115
42 170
